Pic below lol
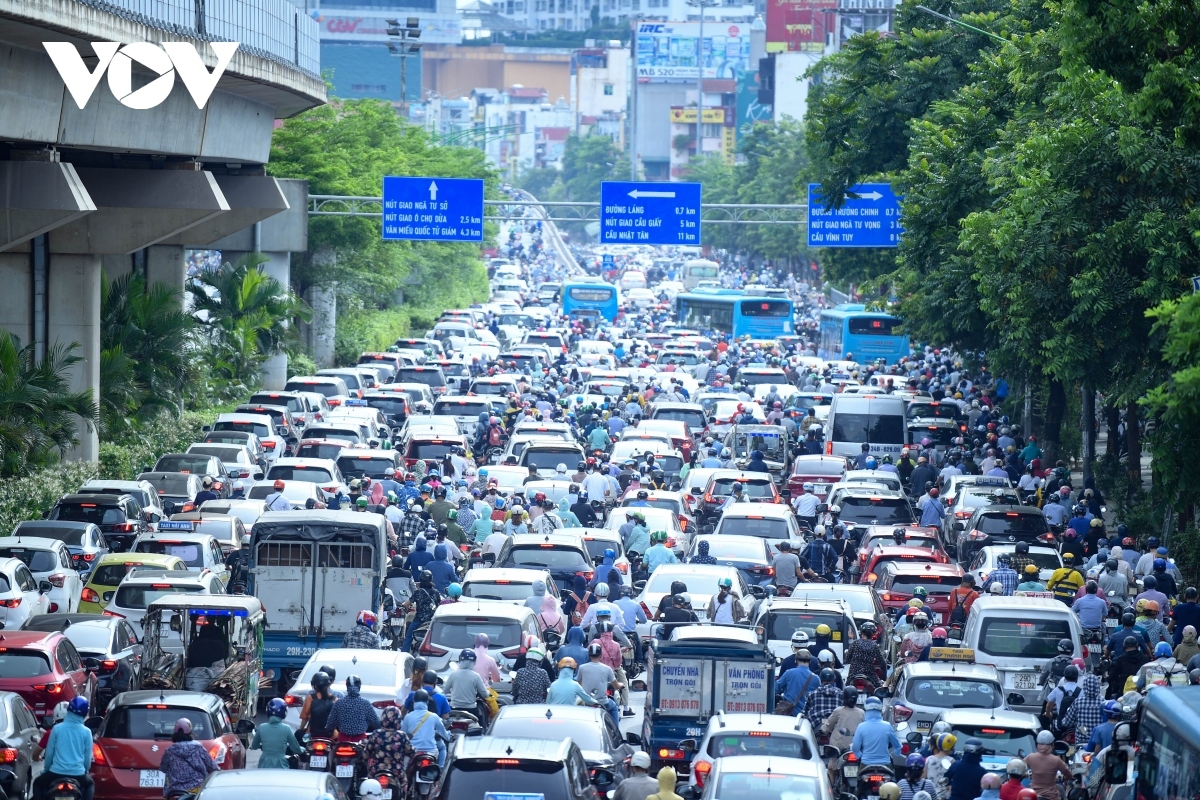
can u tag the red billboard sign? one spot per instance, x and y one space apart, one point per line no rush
799 25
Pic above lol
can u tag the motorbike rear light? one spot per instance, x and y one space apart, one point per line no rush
425 760
1085 651
345 751
8 755
702 769
901 713
319 746
875 779
667 752
98 754
384 780
53 607
851 758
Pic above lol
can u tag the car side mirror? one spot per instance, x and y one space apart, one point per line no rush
170 508
44 587
913 738
258 476
1015 699
206 428
145 468
633 739
47 722
244 727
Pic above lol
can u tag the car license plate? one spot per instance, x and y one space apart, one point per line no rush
924 726
850 772
318 762
343 771
1024 680
152 779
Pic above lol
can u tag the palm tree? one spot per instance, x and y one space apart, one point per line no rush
39 414
247 314
146 343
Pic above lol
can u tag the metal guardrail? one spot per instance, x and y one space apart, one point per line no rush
325 205
272 29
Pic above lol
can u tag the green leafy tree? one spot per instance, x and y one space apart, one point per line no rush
39 414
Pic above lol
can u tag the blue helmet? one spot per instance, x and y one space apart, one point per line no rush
277 708
79 706
454 590
1112 708
1162 650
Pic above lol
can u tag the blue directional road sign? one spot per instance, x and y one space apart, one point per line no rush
649 213
607 262
433 209
870 217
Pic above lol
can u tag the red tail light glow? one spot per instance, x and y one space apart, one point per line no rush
702 769
98 754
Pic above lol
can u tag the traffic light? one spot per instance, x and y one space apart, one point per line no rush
766 80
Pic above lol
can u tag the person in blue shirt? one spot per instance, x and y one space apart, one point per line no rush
425 728
1079 521
443 570
1102 734
756 462
574 647
419 557
874 739
429 684
206 493
795 684
711 462
933 512
69 752
659 553
1090 609
564 691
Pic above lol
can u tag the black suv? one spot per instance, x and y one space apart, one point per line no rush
119 517
1000 525
551 768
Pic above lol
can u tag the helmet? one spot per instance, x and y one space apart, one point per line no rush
370 788
454 590
1016 767
278 486
320 680
1022 547
868 629
799 639
829 676
353 685
602 589
996 588
850 696
564 663
1160 564
1066 646
973 745
367 618
915 761
420 696
466 654
1045 737
277 708
1112 708
921 619
1027 794
1162 650
939 633
889 791
328 670
60 712
183 725
823 630
835 509
1149 582
920 591
945 742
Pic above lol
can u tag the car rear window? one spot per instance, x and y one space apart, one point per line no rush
762 528
454 408
732 548
934 584
144 722
323 389
192 553
782 624
111 574
337 434
470 777
1012 523
24 664
197 464
1036 638
356 467
86 512
292 404
258 429
460 633
548 459
555 556
694 419
139 597
69 536
287 472
392 406
498 590
780 745
876 511
226 454
319 450
723 487
431 449
942 437
585 733
430 377
36 560
754 378
953 693
933 410
819 467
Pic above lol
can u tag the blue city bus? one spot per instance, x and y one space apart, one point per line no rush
850 332
593 298
1168 747
734 312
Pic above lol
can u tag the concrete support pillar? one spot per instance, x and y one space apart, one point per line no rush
73 307
16 301
116 266
322 329
279 266
165 264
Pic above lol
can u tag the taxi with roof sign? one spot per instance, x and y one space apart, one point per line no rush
950 679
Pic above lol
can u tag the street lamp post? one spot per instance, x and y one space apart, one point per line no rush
700 71
402 44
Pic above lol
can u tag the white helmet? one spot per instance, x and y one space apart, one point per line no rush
835 509
799 639
996 588
819 530
561 469
601 589
825 657
239 485
370 788
60 712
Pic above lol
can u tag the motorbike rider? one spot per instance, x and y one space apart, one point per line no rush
362 636
875 740
965 775
822 559
68 752
725 606
824 700
1045 768
1019 559
314 714
565 690
424 728
863 656
276 739
1016 771
638 540
465 689
353 716
186 763
917 639
425 602
658 553
844 721
914 780
940 759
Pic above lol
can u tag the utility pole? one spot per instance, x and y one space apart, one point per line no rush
700 72
402 44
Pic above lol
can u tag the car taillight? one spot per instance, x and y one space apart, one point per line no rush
98 754
683 524
13 603
268 445
89 595
334 402
829 448
1046 537
218 752
108 613
585 574
977 536
670 541
293 701
517 652
962 514
428 649
901 713
623 567
645 610
89 556
124 527
48 688
108 665
702 769
57 580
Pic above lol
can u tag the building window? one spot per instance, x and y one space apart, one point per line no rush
520 6
711 130
570 24
608 89
542 24
541 5
368 87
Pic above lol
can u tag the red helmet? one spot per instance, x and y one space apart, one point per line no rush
1027 794
367 618
539 497
741 407
278 486
1078 662
991 426
591 461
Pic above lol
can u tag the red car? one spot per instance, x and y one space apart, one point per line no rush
137 730
821 471
44 668
897 580
884 536
884 554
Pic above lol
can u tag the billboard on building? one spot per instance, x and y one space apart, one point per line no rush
666 51
799 25
349 25
749 110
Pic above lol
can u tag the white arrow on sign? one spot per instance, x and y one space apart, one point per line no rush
433 190
872 195
636 193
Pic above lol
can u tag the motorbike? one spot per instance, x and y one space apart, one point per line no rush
459 723
66 789
316 755
423 774
346 758
385 783
1093 646
870 778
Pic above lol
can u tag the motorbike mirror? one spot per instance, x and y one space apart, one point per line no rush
1015 699
882 693
688 744
45 587
93 723
244 727
958 526
829 752
1060 748
913 738
603 779
688 792
634 739
847 796
1116 766
639 585
822 508
758 591
177 623
697 491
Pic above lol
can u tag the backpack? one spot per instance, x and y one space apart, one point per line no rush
494 436
580 610
1065 704
958 615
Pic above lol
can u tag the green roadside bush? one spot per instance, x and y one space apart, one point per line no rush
32 496
123 461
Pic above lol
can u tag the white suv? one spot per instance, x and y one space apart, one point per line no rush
141 587
751 735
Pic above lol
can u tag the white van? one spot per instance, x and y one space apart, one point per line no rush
1018 636
877 420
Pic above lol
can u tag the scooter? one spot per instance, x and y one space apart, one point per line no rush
423 774
316 756
66 789
870 778
385 783
346 757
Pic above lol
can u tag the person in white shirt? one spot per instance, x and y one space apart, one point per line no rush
805 504
596 485
276 501
493 543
